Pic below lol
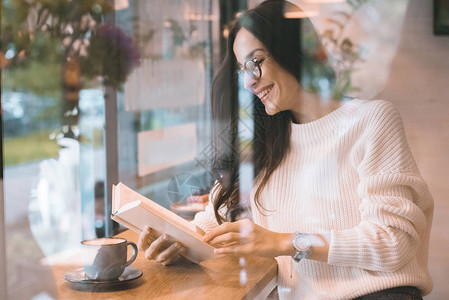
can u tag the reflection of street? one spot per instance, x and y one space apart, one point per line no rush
18 182
20 112
28 239
26 276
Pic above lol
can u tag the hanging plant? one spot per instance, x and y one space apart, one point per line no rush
110 56
58 30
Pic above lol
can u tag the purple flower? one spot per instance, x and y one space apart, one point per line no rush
115 37
111 54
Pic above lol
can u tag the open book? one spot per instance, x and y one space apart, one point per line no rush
136 212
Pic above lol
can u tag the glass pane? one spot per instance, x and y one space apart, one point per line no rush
164 108
84 80
52 93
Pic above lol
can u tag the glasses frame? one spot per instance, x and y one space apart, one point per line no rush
254 72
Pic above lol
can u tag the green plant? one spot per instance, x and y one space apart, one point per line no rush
52 48
315 64
345 52
53 31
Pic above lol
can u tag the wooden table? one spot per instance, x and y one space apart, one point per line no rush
221 278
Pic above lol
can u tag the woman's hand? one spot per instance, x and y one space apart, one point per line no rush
159 249
244 237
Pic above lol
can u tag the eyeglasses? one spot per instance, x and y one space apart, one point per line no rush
252 68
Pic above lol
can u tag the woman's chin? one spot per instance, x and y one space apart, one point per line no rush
270 110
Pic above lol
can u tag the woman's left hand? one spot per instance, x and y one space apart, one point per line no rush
244 237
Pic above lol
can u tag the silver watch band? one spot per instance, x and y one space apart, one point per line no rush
302 244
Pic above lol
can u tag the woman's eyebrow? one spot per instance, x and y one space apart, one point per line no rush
249 56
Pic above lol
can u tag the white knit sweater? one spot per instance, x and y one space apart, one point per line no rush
350 173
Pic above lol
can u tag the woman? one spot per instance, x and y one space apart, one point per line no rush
337 198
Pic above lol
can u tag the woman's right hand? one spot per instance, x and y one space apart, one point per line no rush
159 249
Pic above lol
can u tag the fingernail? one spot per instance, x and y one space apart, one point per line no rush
177 245
147 229
164 237
217 251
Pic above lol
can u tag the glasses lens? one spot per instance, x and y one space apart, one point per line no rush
252 69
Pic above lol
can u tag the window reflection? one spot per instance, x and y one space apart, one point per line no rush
58 59
164 112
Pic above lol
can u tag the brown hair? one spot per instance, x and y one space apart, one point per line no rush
271 142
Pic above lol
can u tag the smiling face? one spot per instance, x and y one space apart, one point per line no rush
276 88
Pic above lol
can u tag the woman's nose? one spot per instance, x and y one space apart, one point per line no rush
248 81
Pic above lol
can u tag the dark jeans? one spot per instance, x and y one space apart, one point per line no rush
397 293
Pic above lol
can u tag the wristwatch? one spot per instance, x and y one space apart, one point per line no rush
303 246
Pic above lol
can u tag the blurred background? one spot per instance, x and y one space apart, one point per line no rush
94 92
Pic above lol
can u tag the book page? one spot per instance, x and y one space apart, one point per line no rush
128 195
136 212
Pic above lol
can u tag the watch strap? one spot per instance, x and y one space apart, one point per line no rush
304 251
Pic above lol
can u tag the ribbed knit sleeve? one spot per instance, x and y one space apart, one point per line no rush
206 219
393 196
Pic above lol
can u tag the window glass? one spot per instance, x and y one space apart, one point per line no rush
97 92
164 107
52 93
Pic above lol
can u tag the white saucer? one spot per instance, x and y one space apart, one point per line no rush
78 276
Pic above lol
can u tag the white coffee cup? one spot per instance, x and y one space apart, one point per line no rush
105 258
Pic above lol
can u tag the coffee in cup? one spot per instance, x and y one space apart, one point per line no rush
105 258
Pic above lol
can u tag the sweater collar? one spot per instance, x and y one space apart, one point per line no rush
311 131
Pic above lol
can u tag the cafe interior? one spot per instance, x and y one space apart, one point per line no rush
97 92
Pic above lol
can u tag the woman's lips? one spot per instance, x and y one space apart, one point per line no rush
263 93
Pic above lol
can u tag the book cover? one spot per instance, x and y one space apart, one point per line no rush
136 212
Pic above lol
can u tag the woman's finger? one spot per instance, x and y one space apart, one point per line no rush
143 243
170 254
229 237
221 229
224 251
229 245
156 247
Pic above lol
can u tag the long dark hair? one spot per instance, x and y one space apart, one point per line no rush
281 37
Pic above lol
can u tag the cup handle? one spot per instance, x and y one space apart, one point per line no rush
134 255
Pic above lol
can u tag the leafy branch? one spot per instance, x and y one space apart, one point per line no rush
346 53
74 29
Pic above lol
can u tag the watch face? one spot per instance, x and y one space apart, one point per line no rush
302 243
